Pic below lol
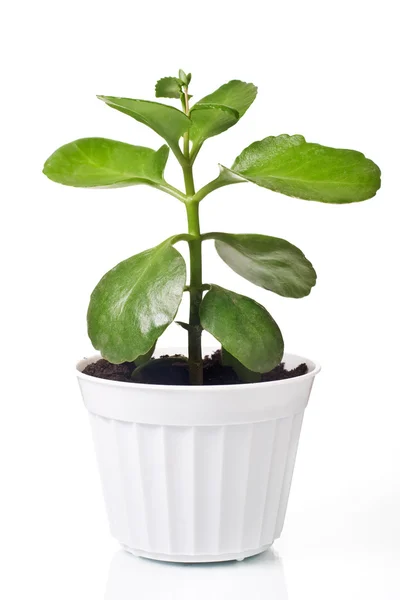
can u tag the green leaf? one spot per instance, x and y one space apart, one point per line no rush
184 78
291 166
209 120
235 94
245 375
168 87
135 302
219 111
269 262
167 121
98 162
243 327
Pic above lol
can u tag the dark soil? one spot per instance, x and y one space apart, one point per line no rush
173 372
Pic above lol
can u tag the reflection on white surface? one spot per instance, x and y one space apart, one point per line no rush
255 578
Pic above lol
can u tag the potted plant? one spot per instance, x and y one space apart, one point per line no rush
196 452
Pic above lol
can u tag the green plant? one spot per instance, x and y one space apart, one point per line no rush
134 302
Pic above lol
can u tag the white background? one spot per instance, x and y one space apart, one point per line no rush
326 70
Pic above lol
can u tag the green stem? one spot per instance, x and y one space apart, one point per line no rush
188 178
196 295
195 287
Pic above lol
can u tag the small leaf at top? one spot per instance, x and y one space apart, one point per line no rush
135 302
183 77
269 262
209 120
99 162
168 87
235 94
220 110
243 327
294 167
167 121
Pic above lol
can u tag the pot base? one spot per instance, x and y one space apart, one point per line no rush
196 558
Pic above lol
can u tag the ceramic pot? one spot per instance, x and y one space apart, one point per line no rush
199 473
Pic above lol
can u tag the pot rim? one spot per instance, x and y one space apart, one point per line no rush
314 369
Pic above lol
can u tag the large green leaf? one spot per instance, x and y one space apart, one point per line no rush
243 327
291 166
218 111
135 302
235 94
98 162
272 263
167 121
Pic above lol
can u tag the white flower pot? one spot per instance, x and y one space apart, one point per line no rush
196 474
